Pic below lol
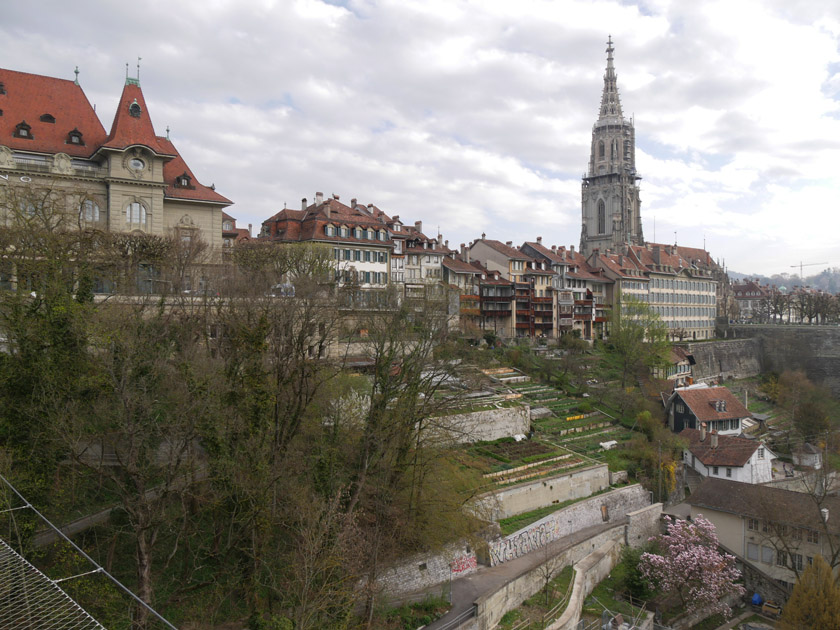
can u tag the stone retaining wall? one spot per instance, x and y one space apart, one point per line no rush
605 508
532 495
487 425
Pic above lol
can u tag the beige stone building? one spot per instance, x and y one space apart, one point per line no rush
128 179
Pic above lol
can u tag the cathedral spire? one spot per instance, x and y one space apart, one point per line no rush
610 102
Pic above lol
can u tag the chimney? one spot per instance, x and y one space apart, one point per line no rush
328 210
396 218
250 229
572 248
824 512
483 236
303 204
353 203
465 253
336 197
702 431
418 225
370 208
446 244
714 436
509 243
319 198
539 240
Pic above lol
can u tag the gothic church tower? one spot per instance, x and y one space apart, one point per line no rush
610 194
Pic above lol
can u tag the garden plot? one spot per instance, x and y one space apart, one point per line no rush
506 460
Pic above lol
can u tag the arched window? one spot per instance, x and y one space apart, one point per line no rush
135 215
89 211
601 150
602 217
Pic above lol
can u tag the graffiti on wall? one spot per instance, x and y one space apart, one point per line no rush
525 541
464 563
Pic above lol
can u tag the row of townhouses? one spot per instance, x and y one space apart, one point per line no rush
129 179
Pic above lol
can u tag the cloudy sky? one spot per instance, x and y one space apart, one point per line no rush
476 116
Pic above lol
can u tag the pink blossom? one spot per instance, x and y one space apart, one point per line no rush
691 565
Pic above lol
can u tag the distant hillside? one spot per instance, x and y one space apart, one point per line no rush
827 280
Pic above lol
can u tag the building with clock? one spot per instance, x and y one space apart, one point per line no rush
126 179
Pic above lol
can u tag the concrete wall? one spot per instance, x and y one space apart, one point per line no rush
425 571
730 358
492 424
812 349
642 524
588 573
491 607
532 495
611 507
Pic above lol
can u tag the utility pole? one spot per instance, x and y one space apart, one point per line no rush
660 471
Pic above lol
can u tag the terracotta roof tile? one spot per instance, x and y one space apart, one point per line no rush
29 96
700 402
730 450
128 130
510 252
176 167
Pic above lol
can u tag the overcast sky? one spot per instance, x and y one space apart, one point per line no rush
476 116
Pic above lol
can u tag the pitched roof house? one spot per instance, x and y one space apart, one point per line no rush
728 456
716 406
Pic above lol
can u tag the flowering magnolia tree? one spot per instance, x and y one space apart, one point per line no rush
689 564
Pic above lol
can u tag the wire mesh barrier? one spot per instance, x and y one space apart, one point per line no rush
29 600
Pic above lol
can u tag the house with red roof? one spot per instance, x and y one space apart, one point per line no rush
357 234
126 179
727 456
717 407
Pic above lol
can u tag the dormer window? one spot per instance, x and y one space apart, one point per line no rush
134 109
382 236
75 137
47 118
183 181
227 226
329 230
22 130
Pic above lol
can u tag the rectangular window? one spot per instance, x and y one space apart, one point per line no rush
357 255
813 537
809 560
752 523
761 452
715 470
797 561
781 559
729 472
766 555
752 551
367 255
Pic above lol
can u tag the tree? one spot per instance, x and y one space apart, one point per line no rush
815 601
689 564
637 336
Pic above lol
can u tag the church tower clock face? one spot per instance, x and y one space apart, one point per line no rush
610 192
136 164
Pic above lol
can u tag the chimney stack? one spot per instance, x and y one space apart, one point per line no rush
250 229
509 243
714 439
572 248
353 203
539 240
303 204
446 244
418 225
824 512
319 198
702 431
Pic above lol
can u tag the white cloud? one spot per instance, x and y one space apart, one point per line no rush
476 115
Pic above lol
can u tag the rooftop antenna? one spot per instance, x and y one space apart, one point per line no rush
138 68
167 132
126 71
675 238
77 75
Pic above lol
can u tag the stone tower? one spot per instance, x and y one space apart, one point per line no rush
610 192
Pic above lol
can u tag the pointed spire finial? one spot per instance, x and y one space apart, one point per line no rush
610 102
126 71
167 132
138 69
77 75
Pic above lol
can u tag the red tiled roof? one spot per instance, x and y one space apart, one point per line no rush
309 224
459 266
699 401
554 256
176 167
29 96
730 450
510 252
129 130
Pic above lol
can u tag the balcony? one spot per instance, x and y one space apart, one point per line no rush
495 313
523 326
565 322
541 300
